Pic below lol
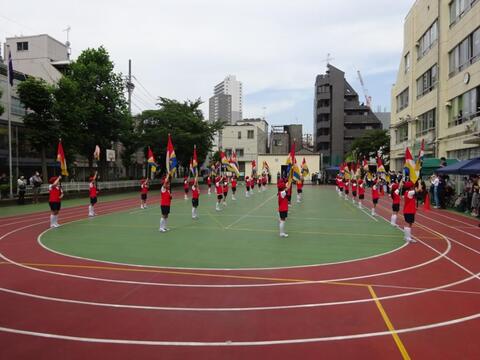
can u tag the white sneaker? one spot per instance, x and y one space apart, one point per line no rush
162 230
52 226
283 235
56 225
413 240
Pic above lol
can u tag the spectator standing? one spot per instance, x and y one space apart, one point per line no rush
21 188
36 181
436 196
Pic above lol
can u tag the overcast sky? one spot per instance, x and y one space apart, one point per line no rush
182 48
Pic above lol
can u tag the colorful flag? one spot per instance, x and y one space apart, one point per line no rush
380 167
61 159
305 170
96 153
171 158
10 68
292 170
229 166
419 162
234 159
254 167
346 171
365 164
195 162
265 167
151 161
409 168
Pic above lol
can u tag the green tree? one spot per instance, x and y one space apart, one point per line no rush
184 122
40 124
91 104
368 145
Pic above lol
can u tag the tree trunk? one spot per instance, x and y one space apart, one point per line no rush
44 165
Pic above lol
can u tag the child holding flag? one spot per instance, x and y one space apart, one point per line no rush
93 190
143 193
195 198
209 184
165 202
283 205
346 187
354 190
247 187
54 199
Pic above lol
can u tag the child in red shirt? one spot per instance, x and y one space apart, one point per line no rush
395 194
354 190
361 192
209 184
219 191
165 202
375 196
282 206
234 187
54 199
143 193
247 186
409 209
195 198
299 190
93 190
185 187
225 190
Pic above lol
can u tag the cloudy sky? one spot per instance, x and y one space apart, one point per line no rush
182 48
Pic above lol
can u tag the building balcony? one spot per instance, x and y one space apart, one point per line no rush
323 138
323 110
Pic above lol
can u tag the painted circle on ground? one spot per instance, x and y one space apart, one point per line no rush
244 235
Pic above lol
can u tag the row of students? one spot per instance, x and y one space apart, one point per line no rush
408 189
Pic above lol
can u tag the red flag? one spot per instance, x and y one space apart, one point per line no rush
61 159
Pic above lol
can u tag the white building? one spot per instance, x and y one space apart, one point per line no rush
248 140
226 102
40 55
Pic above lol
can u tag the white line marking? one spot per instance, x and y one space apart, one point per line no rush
240 343
251 211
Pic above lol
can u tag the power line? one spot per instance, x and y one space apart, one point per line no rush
144 88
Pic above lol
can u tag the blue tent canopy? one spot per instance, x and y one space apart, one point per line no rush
465 167
332 169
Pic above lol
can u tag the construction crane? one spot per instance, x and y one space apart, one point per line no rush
368 99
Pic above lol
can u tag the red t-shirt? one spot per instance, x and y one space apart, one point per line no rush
375 194
299 185
361 188
282 201
409 206
346 185
185 185
225 187
93 190
354 186
219 188
143 188
264 181
340 183
234 183
166 198
195 192
209 181
55 193
395 195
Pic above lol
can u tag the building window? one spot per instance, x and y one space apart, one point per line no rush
465 53
428 39
239 136
323 103
17 108
323 89
427 81
22 46
323 131
464 107
277 142
402 133
323 117
407 60
239 152
323 145
402 100
250 134
458 8
228 152
426 122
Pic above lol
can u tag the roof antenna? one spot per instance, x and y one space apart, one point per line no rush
67 43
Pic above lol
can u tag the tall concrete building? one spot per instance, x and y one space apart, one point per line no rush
226 102
39 55
339 117
282 138
437 93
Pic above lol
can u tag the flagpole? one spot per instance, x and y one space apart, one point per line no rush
9 99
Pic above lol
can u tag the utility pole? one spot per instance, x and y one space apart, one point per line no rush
130 86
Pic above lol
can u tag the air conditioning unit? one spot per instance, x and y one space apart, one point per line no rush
448 104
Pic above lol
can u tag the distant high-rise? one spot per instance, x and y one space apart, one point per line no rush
339 117
226 102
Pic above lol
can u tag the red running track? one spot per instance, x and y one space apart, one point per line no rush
421 301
